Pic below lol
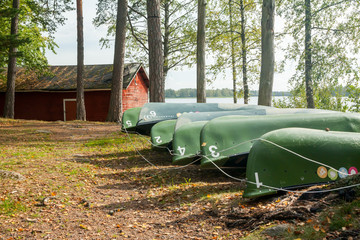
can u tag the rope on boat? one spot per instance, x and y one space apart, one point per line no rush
132 143
281 147
152 164
280 189
162 147
303 157
244 179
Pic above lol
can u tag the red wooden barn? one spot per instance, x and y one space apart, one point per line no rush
52 96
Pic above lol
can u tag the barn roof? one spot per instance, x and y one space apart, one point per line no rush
62 78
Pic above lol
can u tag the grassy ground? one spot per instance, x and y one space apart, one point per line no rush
83 180
96 186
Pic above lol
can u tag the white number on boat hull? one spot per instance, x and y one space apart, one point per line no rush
213 153
181 150
158 139
152 115
258 183
128 122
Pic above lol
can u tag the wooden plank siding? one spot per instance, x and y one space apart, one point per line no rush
48 105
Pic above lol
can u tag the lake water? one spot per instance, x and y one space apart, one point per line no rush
252 100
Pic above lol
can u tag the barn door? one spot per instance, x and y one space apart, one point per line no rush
69 109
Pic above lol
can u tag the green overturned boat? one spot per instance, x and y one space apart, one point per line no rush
130 118
186 144
162 133
226 141
292 157
187 118
186 139
152 113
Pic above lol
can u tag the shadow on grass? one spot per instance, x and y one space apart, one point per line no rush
168 176
175 197
125 159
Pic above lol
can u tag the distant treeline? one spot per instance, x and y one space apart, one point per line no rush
224 92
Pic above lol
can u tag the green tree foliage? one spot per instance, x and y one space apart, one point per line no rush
31 25
333 48
234 41
178 24
354 98
38 20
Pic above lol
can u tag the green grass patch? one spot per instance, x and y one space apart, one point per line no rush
105 142
9 206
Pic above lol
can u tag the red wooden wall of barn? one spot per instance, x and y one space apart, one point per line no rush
136 94
49 106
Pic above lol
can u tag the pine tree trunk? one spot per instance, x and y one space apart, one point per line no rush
9 107
244 53
232 51
156 62
115 106
166 37
200 55
80 100
308 63
267 53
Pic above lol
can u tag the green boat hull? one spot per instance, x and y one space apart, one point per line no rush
272 166
162 133
187 118
231 137
152 113
190 135
186 147
130 118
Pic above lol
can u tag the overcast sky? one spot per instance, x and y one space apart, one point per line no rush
66 53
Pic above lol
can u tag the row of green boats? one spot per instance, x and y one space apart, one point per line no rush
278 148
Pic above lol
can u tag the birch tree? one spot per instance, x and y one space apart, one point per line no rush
325 41
234 41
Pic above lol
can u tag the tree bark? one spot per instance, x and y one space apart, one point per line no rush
115 106
166 37
156 62
308 63
80 99
244 53
9 107
267 53
232 46
200 54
